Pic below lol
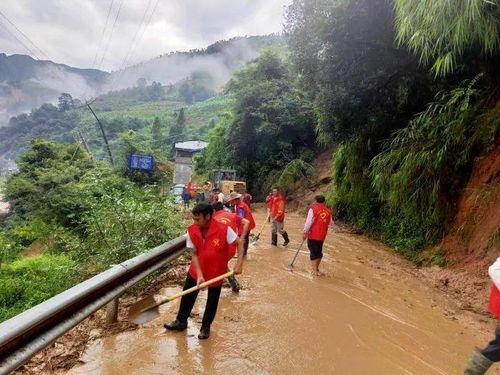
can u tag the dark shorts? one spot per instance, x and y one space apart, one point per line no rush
315 248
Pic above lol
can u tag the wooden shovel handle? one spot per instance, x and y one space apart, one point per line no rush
263 225
190 290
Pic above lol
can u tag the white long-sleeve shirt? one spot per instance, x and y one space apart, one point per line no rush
310 221
494 272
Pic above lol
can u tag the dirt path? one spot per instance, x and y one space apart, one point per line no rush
370 314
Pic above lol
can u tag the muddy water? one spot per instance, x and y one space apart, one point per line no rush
367 315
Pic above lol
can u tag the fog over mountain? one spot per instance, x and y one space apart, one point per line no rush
26 83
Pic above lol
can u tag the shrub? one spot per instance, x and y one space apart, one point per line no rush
297 171
417 172
32 280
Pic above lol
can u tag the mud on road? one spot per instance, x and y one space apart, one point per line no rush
369 314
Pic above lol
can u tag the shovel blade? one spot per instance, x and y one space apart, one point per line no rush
143 311
256 238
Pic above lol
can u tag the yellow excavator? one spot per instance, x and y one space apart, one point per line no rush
225 180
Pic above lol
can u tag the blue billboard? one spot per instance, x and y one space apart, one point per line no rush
144 162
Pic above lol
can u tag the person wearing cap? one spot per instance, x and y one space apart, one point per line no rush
209 241
241 209
278 218
319 218
239 225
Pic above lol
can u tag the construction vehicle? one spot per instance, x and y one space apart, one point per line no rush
225 180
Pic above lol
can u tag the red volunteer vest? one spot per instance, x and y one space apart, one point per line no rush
321 221
494 303
248 215
278 207
231 220
212 251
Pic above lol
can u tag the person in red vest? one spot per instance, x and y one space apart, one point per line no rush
319 218
247 199
277 214
241 209
237 223
209 241
481 360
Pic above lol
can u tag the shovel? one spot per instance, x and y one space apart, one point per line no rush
256 238
147 308
290 266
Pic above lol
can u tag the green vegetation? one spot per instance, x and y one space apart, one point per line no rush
76 217
443 32
400 158
403 93
31 280
271 124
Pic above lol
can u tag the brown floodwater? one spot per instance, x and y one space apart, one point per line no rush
366 315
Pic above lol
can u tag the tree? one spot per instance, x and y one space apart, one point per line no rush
42 186
357 78
155 91
141 82
446 33
186 93
272 123
178 129
156 133
65 102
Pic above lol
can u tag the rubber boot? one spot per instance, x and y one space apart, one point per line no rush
235 285
274 239
285 237
204 333
478 364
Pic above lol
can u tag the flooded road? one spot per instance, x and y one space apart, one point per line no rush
365 316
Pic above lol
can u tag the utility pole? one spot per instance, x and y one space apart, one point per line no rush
85 145
103 135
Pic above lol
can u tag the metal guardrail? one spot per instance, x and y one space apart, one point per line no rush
24 335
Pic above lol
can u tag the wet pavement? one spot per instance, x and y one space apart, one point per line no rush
366 315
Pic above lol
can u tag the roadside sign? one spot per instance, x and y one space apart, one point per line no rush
144 162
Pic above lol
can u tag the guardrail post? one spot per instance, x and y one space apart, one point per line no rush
112 311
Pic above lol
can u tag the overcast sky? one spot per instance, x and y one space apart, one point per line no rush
70 31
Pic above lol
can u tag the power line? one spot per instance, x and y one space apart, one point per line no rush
24 35
111 35
133 44
103 33
19 40
117 77
132 50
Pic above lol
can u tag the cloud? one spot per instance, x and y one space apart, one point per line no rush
70 31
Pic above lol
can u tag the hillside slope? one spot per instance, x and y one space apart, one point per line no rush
26 83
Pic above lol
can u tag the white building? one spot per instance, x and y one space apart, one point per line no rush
184 152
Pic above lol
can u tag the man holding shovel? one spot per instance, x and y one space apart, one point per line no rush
319 218
209 241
